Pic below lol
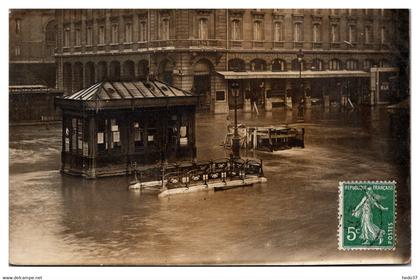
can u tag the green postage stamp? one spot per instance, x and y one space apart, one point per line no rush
367 215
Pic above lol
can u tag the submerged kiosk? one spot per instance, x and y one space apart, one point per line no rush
110 127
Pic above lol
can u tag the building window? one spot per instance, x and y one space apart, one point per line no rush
367 64
114 33
297 32
334 33
18 25
278 31
77 39
335 64
278 65
257 31
316 36
383 35
368 34
128 34
235 30
203 29
165 29
101 35
352 64
138 135
66 42
115 135
317 65
89 36
143 31
352 33
17 50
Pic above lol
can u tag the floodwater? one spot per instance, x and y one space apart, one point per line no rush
291 219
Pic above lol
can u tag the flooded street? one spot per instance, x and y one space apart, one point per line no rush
291 219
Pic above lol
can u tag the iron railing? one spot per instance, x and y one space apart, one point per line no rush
185 174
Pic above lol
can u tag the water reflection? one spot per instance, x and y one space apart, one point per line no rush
56 219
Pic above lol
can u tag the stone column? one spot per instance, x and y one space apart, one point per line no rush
288 94
268 103
247 91
307 91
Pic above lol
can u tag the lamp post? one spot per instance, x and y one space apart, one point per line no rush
300 60
236 139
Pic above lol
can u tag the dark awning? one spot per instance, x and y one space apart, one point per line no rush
120 95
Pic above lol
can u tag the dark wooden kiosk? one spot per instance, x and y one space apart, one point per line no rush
112 126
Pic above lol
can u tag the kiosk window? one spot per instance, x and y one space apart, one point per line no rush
138 135
115 135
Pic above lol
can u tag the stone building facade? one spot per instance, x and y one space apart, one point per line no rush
32 40
347 54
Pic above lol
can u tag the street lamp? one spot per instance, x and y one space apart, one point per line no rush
300 60
236 139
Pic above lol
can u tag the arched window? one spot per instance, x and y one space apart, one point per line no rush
352 64
166 69
278 65
258 65
317 65
102 71
237 65
143 69
50 32
115 71
335 64
128 70
89 74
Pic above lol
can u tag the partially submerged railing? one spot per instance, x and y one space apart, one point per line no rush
185 174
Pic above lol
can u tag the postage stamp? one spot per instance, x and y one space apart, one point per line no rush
367 215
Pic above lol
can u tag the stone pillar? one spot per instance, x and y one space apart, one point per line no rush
288 94
268 103
307 91
247 93
92 147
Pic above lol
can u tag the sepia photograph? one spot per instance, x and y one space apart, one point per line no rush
209 137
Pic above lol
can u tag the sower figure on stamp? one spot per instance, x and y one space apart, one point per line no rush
369 231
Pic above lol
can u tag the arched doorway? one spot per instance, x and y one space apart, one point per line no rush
102 71
237 65
89 74
143 69
77 76
67 78
202 83
115 71
166 70
128 70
